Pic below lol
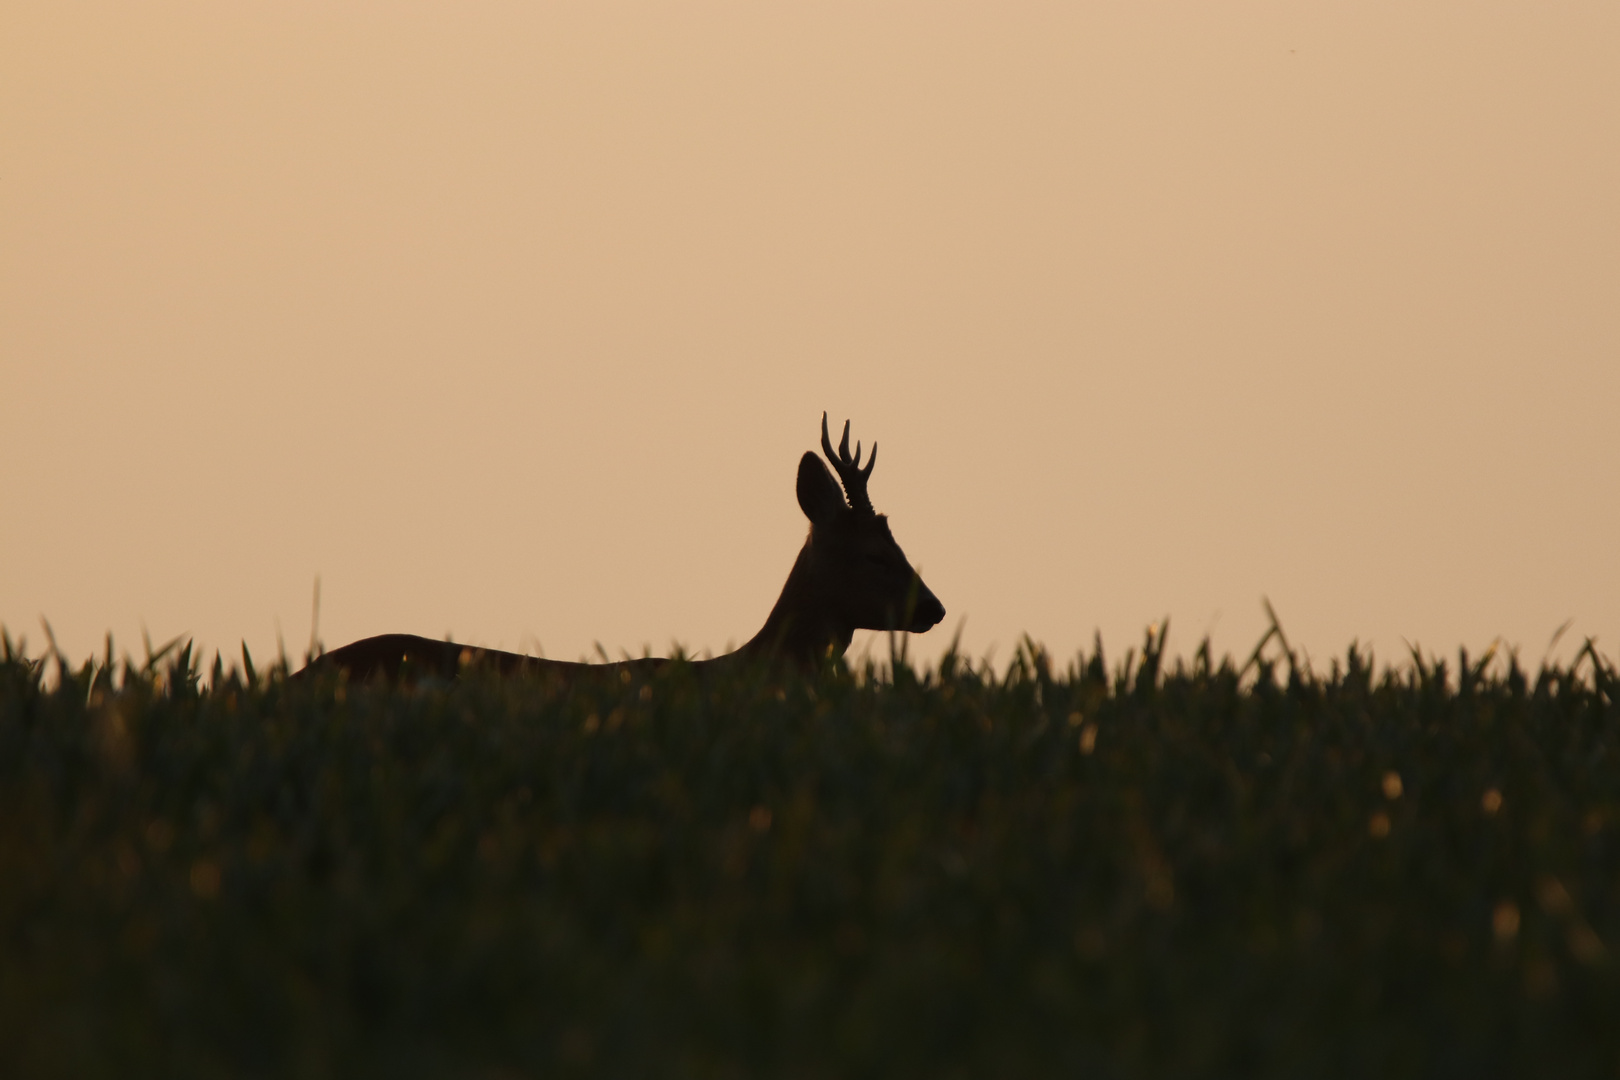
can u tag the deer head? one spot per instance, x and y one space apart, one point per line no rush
851 575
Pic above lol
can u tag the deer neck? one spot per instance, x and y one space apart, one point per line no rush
802 627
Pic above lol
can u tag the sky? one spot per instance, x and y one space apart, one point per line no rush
510 321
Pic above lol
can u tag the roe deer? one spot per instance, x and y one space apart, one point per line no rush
849 576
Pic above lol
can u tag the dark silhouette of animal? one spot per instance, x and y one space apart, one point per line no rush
850 575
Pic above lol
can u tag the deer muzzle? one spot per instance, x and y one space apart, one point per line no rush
927 611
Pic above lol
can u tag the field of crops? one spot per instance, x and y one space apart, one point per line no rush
1133 867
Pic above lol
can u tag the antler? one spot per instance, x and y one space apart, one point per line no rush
849 469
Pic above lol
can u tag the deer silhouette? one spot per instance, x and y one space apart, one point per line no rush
850 575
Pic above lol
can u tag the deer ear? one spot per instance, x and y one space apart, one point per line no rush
820 497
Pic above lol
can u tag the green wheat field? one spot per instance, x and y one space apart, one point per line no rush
1133 866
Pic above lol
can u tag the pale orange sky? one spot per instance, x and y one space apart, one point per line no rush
512 320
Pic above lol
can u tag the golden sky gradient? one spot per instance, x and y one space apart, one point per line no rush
511 320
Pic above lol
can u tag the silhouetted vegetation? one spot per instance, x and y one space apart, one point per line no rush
1142 868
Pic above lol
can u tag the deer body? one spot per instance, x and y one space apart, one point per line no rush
850 575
